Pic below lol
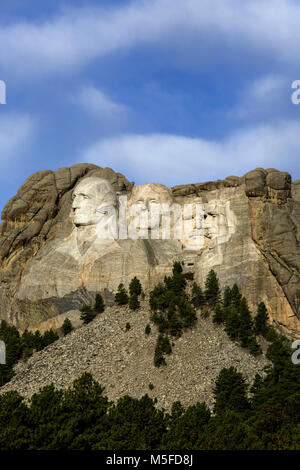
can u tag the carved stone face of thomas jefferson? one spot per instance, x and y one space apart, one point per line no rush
92 200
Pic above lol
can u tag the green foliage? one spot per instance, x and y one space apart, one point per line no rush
163 346
177 268
87 314
245 332
230 392
134 303
49 337
186 427
227 297
147 329
236 296
212 288
232 324
261 319
197 296
121 297
20 346
135 287
82 418
218 314
99 304
128 326
67 326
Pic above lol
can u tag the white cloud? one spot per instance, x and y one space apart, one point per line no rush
172 159
265 98
230 29
98 104
16 132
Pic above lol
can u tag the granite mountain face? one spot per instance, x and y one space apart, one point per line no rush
51 263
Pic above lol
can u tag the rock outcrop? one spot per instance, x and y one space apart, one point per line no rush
50 267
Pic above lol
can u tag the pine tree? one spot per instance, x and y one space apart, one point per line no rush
235 296
38 341
67 327
134 303
246 324
232 324
227 297
261 318
159 359
188 314
49 337
254 347
257 384
177 267
218 315
230 392
87 314
174 325
99 304
212 288
135 286
197 296
121 297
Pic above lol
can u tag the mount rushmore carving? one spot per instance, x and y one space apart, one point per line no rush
69 234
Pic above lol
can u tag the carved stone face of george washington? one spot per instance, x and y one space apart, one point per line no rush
92 200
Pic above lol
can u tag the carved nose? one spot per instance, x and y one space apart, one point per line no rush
75 204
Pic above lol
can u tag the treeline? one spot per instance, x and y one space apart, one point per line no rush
267 416
234 313
21 346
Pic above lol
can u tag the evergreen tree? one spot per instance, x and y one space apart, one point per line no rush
38 341
147 329
134 303
177 267
135 286
67 326
121 297
174 325
219 314
246 324
87 314
212 288
227 297
261 318
230 392
232 324
235 296
188 314
257 385
157 299
254 347
164 344
49 337
197 296
99 304
159 359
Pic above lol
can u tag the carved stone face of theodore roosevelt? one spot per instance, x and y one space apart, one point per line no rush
92 200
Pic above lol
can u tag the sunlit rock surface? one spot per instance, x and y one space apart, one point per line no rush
53 260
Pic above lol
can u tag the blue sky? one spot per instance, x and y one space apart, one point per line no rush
168 91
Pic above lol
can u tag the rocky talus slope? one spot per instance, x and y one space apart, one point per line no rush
122 361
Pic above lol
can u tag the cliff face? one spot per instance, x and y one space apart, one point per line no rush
49 266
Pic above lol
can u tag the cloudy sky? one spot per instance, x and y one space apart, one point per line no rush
169 91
